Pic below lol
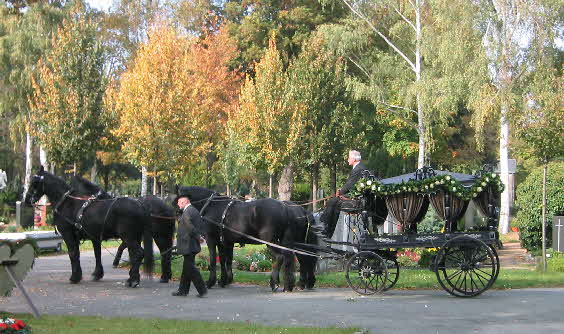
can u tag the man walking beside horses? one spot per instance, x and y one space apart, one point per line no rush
190 231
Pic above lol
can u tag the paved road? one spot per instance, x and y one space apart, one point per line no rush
423 311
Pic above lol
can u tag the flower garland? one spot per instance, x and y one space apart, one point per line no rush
13 326
430 185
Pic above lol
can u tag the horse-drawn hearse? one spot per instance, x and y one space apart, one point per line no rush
466 264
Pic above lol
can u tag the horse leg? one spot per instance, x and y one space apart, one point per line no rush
307 270
135 258
275 275
222 263
228 251
74 255
213 263
289 279
98 272
303 272
165 245
119 253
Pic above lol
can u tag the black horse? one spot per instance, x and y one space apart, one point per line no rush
162 217
122 218
266 219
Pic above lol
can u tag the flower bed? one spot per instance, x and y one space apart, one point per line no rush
13 326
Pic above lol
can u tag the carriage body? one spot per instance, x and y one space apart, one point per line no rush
466 264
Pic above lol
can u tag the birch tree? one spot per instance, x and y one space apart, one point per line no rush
24 38
404 43
510 30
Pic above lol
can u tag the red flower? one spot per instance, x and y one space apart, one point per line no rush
20 323
15 326
3 326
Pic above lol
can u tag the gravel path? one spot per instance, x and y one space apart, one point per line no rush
422 311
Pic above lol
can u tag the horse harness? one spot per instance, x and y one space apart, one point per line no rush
221 223
77 223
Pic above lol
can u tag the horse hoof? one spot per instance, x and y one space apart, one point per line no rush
115 265
74 281
164 280
96 278
133 284
275 287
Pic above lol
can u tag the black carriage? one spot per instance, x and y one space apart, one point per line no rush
466 263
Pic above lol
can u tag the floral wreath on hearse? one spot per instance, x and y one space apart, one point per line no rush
13 326
429 186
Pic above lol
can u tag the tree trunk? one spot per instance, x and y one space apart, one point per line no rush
106 179
28 163
228 190
74 168
154 181
504 170
43 158
286 183
314 185
544 264
143 181
333 178
270 185
422 155
94 171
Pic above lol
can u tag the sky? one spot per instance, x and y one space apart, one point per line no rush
100 4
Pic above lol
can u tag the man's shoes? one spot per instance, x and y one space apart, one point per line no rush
180 294
203 294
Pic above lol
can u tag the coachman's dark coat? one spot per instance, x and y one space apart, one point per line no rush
190 229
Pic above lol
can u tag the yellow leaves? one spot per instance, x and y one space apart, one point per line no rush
173 101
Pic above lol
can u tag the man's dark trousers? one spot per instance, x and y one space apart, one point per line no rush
191 274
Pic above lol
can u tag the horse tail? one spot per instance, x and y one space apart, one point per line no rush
149 263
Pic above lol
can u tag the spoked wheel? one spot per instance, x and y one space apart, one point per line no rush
367 273
466 267
393 273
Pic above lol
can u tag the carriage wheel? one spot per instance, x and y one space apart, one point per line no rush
393 273
367 273
466 267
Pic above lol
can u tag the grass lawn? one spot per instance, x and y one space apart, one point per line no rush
53 324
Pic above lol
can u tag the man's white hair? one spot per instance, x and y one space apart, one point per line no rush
355 155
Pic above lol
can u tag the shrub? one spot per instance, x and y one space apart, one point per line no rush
202 262
556 262
529 205
431 223
301 192
427 257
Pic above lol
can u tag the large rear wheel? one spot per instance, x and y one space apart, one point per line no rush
466 267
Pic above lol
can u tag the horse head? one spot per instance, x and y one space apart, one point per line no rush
36 187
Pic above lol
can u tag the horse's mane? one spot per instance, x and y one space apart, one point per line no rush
85 187
194 193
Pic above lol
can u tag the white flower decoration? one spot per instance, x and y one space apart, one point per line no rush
369 182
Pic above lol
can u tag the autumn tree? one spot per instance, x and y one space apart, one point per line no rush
158 120
215 88
67 105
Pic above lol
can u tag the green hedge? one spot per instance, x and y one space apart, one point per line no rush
529 205
556 262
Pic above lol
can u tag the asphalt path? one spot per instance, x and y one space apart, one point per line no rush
413 311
